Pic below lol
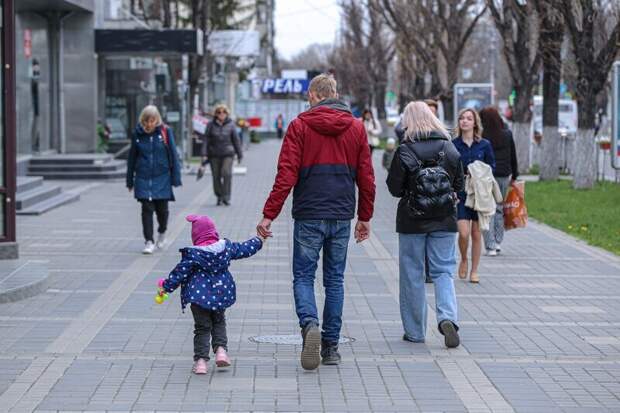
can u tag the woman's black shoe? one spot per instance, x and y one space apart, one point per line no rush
219 202
227 203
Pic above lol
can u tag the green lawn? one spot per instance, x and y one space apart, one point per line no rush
593 215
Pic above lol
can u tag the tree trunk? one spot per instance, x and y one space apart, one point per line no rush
448 110
550 153
380 99
584 173
521 133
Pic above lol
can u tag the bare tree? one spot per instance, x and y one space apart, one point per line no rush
439 31
595 45
515 20
314 57
380 52
550 43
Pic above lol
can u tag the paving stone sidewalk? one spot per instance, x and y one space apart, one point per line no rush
539 333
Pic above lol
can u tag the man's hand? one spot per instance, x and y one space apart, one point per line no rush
263 229
362 231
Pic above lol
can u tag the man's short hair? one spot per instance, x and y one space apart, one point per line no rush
323 86
432 103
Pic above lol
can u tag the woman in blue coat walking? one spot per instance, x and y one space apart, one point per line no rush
152 170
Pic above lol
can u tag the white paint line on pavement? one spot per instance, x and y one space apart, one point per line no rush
561 309
470 383
71 231
38 378
81 332
90 220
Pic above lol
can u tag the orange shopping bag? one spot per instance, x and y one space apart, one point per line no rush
515 211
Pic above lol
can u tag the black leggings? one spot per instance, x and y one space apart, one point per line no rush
160 207
209 331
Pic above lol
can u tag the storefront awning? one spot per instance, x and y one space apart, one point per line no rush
59 5
141 41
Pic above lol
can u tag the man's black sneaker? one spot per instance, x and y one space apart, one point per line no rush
225 202
406 338
451 336
310 352
219 202
330 355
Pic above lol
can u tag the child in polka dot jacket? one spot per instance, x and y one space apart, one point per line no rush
209 288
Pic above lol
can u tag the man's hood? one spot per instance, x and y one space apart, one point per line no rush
331 117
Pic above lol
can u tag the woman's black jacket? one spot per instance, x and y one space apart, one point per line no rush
401 172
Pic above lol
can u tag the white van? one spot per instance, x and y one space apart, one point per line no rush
567 115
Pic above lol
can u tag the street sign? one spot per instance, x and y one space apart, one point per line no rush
283 86
615 116
234 43
199 124
472 95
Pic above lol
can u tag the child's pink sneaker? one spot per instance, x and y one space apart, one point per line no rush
200 367
221 358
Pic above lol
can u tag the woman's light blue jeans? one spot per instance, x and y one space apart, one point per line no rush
440 247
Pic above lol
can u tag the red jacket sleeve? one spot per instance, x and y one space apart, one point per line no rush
289 164
365 180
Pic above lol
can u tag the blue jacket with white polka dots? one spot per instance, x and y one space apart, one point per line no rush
204 277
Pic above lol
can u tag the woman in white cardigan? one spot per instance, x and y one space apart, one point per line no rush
373 129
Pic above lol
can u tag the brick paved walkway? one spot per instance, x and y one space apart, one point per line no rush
540 333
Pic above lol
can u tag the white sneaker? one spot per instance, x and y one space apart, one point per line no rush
161 240
498 248
491 253
149 248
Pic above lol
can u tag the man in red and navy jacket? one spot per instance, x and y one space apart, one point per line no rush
324 155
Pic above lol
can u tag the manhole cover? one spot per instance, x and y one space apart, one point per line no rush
292 339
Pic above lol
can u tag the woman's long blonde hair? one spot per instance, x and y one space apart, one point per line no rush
477 124
150 112
419 120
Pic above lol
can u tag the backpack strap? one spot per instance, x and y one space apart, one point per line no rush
164 133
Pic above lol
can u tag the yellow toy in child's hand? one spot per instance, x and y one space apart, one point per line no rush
162 295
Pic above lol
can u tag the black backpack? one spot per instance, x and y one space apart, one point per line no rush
430 186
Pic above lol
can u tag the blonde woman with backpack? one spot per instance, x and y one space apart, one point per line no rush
426 174
152 170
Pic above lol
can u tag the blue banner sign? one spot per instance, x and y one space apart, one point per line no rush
284 86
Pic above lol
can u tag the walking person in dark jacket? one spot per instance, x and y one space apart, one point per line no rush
152 170
324 156
426 221
506 172
220 145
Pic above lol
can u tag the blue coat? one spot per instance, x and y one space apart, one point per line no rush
153 167
204 277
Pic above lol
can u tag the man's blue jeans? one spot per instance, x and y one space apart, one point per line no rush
310 236
440 247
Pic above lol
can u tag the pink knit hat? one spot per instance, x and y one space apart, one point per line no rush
203 230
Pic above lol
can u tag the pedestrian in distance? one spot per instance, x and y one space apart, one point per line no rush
324 156
388 153
219 147
280 125
425 174
208 287
506 172
153 168
472 147
373 129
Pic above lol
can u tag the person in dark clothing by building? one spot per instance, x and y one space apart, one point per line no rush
153 168
506 171
220 145
426 174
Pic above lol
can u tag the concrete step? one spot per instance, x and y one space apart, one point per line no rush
26 183
20 279
51 203
27 199
82 175
43 169
77 159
